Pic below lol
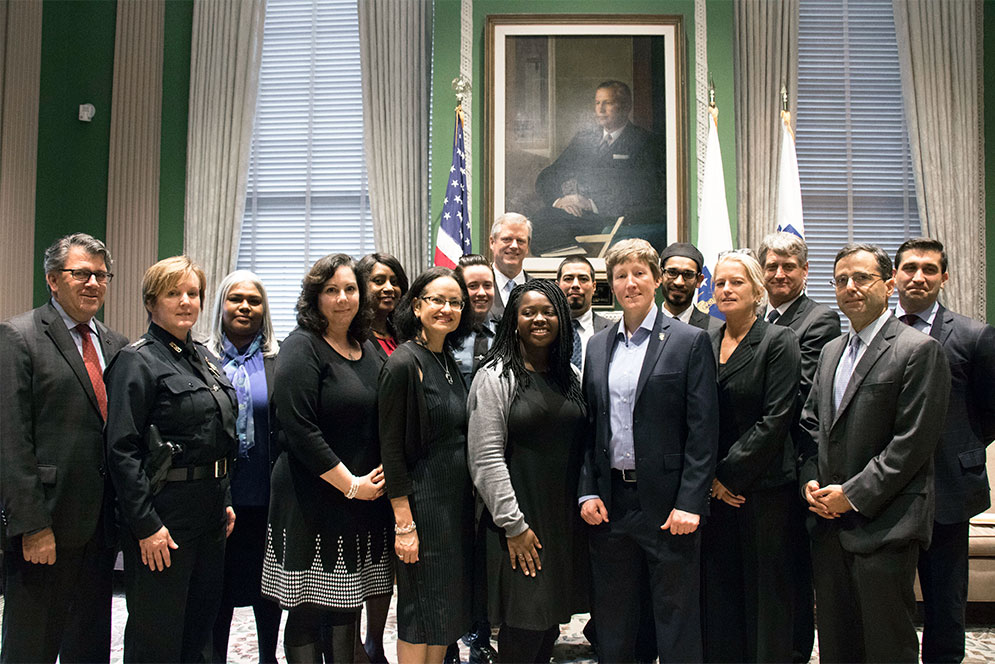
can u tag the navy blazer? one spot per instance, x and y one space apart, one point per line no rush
675 428
961 481
879 445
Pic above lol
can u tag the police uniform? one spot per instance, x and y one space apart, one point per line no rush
179 387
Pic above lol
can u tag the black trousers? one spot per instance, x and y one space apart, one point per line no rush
943 579
865 603
171 613
619 551
61 610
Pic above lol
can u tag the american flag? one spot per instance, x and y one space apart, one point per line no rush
453 238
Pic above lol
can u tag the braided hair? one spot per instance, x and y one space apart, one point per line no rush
507 351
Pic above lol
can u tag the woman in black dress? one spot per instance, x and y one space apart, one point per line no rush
242 337
527 421
329 529
423 443
746 589
173 532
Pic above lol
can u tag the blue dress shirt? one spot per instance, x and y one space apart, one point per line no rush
628 353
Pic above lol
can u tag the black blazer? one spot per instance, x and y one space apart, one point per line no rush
52 465
758 390
675 430
703 321
816 325
961 481
879 445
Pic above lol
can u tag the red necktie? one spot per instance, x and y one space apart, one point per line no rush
92 363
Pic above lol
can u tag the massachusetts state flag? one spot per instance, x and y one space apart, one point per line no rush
789 188
453 237
714 235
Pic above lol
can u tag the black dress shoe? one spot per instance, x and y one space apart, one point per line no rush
452 654
481 652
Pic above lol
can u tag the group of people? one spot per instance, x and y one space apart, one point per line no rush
503 454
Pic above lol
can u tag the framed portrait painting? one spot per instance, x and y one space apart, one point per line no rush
586 129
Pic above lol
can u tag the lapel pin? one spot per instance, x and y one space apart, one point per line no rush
662 336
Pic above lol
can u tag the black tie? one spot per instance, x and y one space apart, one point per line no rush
773 315
908 319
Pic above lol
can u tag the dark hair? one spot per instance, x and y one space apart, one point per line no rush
407 323
309 317
922 244
884 262
468 260
57 254
364 268
507 350
621 91
569 260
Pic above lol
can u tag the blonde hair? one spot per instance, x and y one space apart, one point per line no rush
754 273
167 273
633 249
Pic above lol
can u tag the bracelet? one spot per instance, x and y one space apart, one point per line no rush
353 489
404 530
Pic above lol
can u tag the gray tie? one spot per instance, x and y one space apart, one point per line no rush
577 356
845 371
773 316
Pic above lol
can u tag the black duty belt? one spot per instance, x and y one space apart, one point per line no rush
217 469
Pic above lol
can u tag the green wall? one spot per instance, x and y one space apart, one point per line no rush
446 68
77 67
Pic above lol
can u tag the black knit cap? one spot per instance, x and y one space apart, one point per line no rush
685 250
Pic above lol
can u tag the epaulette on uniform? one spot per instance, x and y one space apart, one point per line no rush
138 344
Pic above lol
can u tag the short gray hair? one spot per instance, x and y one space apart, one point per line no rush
510 218
57 254
786 244
215 342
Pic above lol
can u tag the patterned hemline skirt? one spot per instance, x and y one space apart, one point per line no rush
338 588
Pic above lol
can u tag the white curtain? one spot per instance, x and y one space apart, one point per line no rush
395 51
225 53
939 48
766 57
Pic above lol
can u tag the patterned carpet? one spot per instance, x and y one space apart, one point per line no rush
571 647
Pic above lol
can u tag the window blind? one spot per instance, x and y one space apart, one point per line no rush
854 161
307 194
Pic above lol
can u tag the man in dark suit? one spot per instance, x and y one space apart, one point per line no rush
610 170
57 504
511 236
575 277
649 382
961 480
875 414
784 257
682 263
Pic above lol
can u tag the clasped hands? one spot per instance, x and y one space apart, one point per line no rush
574 204
829 502
678 522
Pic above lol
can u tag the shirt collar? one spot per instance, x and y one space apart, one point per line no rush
684 316
782 308
502 280
69 320
176 346
644 329
927 315
613 135
868 333
586 320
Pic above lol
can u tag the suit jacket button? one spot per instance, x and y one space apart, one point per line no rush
102 470
836 479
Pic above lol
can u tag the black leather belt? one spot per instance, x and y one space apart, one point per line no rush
626 475
217 469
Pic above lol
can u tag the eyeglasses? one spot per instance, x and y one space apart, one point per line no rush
436 301
687 275
83 276
860 280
